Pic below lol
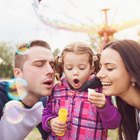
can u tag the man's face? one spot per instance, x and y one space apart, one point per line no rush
38 71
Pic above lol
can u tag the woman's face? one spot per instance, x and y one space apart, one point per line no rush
115 78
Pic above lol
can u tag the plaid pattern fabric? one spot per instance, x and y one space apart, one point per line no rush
84 121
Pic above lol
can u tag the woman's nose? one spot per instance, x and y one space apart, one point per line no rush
101 73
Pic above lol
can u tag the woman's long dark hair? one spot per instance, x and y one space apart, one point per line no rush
128 128
129 51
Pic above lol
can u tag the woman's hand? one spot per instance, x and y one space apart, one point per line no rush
96 98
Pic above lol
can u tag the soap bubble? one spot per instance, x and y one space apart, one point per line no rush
14 112
17 88
23 49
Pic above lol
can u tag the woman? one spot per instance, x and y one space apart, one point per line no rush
120 77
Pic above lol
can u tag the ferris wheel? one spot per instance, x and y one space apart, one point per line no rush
101 17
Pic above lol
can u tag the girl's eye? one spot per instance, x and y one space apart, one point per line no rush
69 68
81 68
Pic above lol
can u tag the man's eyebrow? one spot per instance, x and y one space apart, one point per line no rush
43 60
39 60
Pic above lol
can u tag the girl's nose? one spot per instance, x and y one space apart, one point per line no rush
75 72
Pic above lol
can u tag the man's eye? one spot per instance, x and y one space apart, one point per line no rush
39 64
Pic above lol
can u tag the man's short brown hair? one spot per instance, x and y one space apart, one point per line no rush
20 58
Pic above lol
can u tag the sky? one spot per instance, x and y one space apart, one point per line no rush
19 22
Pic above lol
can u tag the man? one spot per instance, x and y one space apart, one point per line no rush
34 64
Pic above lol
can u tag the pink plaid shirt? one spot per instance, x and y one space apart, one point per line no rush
85 120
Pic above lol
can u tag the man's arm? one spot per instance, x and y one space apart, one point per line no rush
43 133
3 96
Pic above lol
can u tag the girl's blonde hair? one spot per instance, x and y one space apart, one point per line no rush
77 48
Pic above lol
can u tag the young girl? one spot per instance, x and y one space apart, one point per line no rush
89 117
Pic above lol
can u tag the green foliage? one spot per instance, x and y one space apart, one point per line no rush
6 53
56 52
113 134
6 71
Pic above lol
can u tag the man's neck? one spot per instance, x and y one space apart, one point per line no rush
30 101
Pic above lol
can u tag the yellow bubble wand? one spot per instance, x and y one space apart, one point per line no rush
62 117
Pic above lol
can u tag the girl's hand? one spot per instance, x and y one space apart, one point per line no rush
57 126
96 98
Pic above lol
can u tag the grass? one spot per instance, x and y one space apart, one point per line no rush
35 135
112 134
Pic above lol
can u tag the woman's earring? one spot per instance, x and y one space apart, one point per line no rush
133 83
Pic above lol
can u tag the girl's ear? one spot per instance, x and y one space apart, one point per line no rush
17 72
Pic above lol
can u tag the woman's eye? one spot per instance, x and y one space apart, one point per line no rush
110 69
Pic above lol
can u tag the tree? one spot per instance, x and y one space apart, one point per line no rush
6 53
56 52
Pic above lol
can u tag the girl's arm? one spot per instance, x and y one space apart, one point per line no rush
110 115
47 116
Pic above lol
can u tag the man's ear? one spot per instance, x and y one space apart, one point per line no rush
17 72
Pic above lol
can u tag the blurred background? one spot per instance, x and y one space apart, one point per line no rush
60 22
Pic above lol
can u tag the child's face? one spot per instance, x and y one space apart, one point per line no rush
77 69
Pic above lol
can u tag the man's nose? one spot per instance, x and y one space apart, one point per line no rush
49 69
